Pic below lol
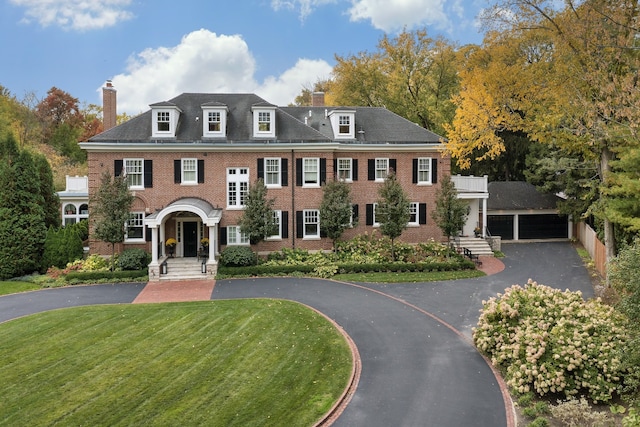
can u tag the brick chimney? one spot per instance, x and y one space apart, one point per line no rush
109 110
317 99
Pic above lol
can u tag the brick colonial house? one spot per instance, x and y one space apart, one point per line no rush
190 161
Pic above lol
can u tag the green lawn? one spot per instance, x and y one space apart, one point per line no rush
12 287
215 363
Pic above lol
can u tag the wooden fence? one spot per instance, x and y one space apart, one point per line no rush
589 239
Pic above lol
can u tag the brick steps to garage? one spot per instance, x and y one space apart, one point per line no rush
477 246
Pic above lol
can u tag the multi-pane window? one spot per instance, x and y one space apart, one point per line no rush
424 170
413 209
237 186
264 121
272 171
277 219
134 170
311 223
163 121
345 169
382 169
311 171
214 121
189 171
344 124
235 236
135 226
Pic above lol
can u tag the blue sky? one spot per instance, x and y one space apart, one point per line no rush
154 50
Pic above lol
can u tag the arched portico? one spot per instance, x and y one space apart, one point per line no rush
186 213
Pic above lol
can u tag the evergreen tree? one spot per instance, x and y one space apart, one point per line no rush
110 210
257 219
335 209
451 212
22 229
393 210
51 204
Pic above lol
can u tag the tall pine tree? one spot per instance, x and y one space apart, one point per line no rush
257 219
335 209
393 211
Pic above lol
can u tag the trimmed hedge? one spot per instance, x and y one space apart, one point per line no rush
97 275
275 270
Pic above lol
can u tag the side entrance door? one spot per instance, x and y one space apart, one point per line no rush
190 243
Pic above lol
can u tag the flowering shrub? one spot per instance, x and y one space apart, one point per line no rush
95 262
549 341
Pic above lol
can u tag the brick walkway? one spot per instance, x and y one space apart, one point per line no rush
176 291
491 265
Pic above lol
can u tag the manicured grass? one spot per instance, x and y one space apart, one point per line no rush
214 363
408 277
12 287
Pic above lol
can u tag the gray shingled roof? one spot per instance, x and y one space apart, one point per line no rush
518 195
372 125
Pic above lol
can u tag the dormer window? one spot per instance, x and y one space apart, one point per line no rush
343 124
164 121
165 117
264 121
214 123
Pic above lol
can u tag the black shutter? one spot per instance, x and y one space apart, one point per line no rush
422 213
335 169
299 224
200 171
354 214
323 171
371 172
261 168
284 226
177 172
434 171
223 235
299 172
148 173
147 236
369 214
117 167
414 172
354 172
284 173
393 166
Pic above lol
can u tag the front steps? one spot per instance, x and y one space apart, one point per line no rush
477 245
187 269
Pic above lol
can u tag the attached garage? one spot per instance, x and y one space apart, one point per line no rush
517 211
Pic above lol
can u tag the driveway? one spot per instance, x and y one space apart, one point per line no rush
419 367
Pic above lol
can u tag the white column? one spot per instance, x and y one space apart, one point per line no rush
213 242
484 218
154 246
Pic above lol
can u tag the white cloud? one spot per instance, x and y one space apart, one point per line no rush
306 6
76 14
394 15
206 62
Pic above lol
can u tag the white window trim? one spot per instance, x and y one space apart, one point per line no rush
376 168
304 224
205 122
237 236
173 112
124 171
375 220
428 182
334 117
416 206
183 180
257 133
137 239
237 178
350 160
279 180
278 217
304 172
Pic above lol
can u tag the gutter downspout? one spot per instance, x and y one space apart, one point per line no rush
293 200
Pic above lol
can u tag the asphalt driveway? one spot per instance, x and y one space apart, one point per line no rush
419 367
